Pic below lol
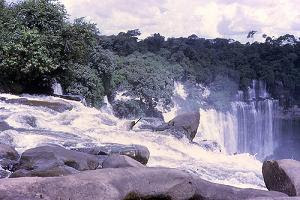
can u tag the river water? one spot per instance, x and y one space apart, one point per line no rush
33 126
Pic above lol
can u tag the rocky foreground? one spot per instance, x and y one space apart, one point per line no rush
111 171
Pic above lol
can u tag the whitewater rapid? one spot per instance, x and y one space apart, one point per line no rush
84 125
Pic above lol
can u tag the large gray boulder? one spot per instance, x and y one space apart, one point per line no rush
184 124
136 152
211 191
53 161
120 161
124 183
282 176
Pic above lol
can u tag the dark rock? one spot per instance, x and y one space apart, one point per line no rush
58 106
184 124
50 172
125 183
53 160
3 125
30 120
4 173
282 176
120 161
136 152
8 152
8 156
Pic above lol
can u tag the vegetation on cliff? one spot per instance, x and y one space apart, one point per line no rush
39 44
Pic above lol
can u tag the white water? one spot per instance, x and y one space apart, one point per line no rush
84 125
249 127
57 89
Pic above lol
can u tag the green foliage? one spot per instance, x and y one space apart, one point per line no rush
83 80
147 77
38 44
26 56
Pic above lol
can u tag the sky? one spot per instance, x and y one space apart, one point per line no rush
205 18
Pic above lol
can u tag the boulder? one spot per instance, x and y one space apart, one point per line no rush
45 172
136 152
184 124
112 184
120 161
4 173
8 156
53 161
212 191
282 176
58 106
8 152
124 183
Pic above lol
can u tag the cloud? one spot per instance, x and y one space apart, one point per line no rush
174 18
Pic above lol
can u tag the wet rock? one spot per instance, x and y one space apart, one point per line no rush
120 161
4 173
52 161
3 125
30 120
58 106
185 124
8 152
6 137
282 176
136 152
8 156
125 183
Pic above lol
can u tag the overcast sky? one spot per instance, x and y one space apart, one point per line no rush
205 18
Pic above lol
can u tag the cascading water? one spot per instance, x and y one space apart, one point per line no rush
29 126
57 89
256 125
248 127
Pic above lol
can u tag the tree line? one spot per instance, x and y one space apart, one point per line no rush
39 44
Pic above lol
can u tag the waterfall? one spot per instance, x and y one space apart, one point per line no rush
107 108
248 127
255 126
57 89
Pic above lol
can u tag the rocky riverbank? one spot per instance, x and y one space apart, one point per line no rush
111 171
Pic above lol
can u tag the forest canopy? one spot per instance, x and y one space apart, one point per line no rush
40 44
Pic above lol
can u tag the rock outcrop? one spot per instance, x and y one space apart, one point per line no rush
136 152
58 106
184 124
124 183
53 161
282 176
8 157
